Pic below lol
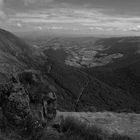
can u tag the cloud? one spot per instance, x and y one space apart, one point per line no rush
2 13
1 3
1 7
26 5
49 15
19 25
37 2
84 18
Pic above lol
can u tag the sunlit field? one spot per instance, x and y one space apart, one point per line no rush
124 124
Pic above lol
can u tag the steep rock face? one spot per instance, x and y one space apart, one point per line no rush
42 95
14 102
19 113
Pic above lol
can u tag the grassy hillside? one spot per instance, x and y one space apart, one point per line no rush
15 55
94 94
119 123
123 73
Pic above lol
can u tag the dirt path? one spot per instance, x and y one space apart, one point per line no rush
80 95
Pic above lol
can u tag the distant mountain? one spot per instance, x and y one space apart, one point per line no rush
77 88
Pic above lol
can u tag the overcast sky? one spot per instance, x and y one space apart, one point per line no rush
77 16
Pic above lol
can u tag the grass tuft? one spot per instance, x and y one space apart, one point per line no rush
71 129
74 129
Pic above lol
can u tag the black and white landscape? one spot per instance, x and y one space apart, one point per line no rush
88 54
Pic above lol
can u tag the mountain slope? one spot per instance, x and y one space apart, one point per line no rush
123 73
96 95
15 54
76 89
118 73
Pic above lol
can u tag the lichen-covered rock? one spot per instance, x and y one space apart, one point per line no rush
14 102
50 106
17 107
41 95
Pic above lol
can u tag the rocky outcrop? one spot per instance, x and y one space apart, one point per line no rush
42 95
17 109
15 104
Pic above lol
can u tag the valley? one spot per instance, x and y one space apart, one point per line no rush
91 52
113 86
111 64
98 78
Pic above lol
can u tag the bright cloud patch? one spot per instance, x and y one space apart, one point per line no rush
89 20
